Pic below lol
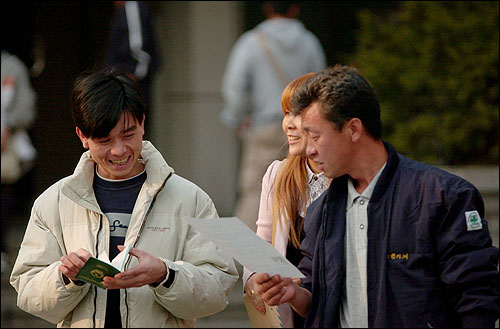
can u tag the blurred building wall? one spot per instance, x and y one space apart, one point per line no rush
194 39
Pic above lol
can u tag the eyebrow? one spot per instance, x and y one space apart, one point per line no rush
306 128
133 127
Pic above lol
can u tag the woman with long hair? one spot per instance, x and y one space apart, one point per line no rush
289 186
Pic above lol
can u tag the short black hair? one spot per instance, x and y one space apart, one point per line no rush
342 93
100 98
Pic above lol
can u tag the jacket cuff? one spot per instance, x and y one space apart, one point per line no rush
70 284
168 280
479 319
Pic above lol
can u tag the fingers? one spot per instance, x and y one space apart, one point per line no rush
251 287
274 294
136 277
264 282
135 252
83 254
277 290
124 281
73 262
261 278
150 269
257 302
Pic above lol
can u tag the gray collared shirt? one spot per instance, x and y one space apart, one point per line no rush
354 306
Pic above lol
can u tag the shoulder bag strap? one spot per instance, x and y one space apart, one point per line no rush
267 50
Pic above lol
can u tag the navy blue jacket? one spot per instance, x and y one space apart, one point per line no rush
424 268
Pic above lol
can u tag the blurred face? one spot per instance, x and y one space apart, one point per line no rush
326 145
116 154
297 139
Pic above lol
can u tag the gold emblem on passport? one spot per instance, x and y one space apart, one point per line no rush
97 274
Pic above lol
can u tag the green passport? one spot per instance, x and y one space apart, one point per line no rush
96 269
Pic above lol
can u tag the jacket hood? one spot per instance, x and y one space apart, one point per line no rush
78 186
286 32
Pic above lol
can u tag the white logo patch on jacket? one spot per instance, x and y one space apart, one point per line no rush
473 220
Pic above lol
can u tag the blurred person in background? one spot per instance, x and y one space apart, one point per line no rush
18 153
262 62
289 186
131 46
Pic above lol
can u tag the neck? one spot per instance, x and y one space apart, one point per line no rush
368 160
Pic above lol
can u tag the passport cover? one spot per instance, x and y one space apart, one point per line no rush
95 270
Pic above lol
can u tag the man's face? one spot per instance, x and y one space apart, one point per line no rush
325 144
116 154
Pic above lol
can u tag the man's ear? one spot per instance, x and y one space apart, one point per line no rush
142 124
356 128
82 137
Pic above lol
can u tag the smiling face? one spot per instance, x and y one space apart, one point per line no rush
116 155
297 139
327 146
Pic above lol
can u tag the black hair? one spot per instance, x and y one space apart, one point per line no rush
100 98
342 93
281 7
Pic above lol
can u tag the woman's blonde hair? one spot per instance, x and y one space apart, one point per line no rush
290 186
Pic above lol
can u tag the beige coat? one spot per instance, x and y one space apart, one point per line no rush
67 217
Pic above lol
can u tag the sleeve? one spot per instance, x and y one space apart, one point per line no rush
316 59
36 277
265 216
203 276
319 62
313 216
236 84
149 40
468 260
118 54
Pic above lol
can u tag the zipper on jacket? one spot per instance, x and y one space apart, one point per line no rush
321 261
139 235
95 288
95 306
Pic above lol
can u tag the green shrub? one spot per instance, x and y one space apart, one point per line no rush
434 66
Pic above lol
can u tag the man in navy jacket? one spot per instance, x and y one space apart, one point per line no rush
393 242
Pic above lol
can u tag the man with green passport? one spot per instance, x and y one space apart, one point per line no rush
121 193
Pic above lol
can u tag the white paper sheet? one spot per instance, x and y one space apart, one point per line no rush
241 243
119 260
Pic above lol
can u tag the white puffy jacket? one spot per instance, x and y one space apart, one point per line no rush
67 217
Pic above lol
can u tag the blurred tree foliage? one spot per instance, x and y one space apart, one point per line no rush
434 66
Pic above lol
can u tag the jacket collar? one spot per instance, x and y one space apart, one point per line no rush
78 187
387 174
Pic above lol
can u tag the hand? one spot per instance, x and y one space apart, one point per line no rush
276 290
252 288
243 127
150 269
73 262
